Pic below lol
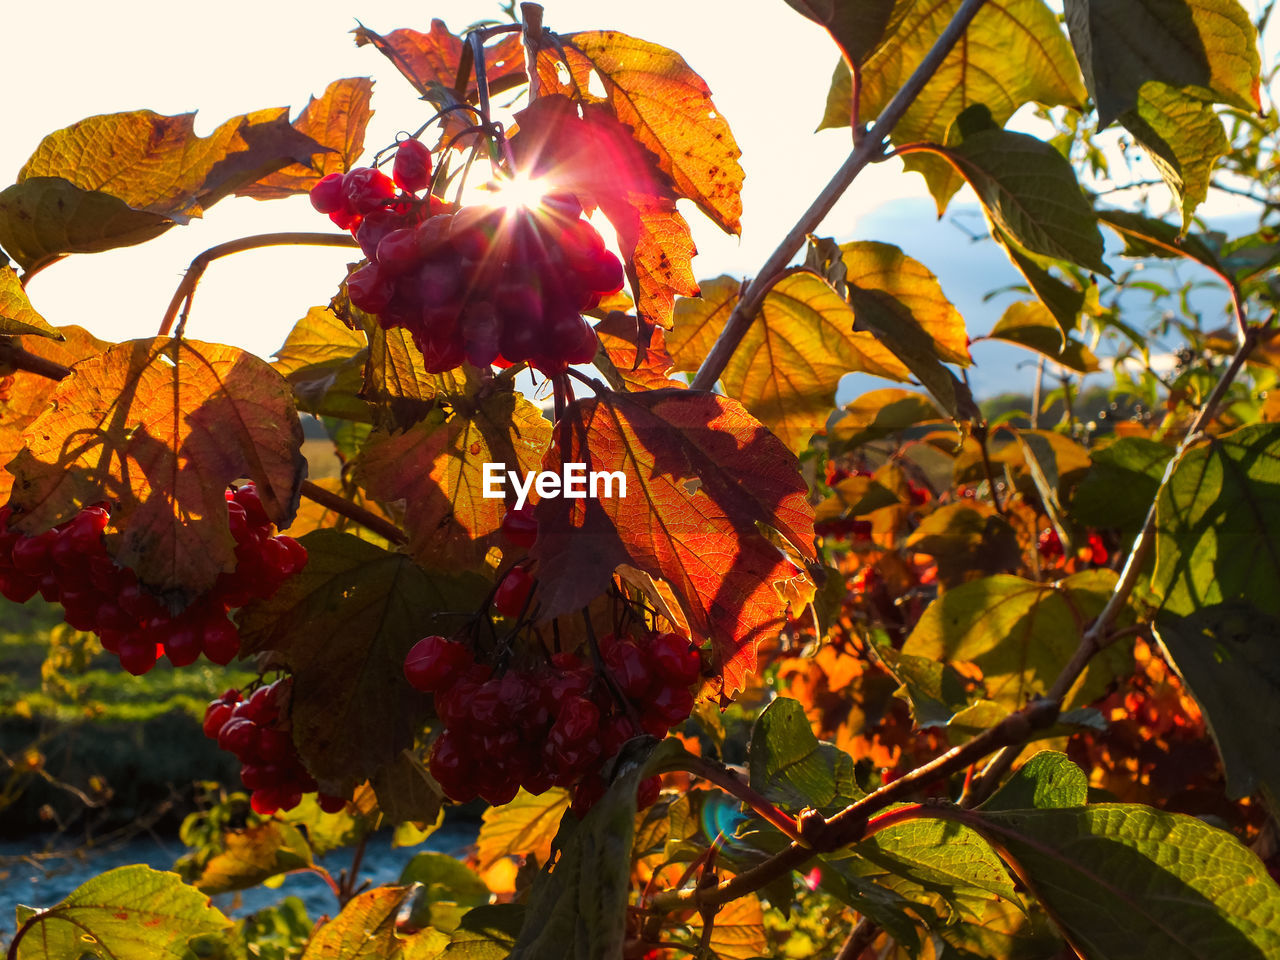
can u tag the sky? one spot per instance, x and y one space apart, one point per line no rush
767 67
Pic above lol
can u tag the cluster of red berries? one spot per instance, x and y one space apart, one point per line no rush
552 725
69 564
1094 551
485 284
256 730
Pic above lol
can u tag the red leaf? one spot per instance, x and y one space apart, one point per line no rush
432 58
702 477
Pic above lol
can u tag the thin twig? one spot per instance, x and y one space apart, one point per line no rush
859 939
187 288
19 359
531 14
366 518
868 149
723 778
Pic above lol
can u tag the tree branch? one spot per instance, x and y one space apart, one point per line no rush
869 148
366 518
14 356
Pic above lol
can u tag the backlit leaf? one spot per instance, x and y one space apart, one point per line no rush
668 107
343 627
1013 53
857 27
1020 633
1121 483
968 539
788 764
1216 568
524 827
621 339
1146 237
28 393
788 365
1126 881
323 359
432 59
486 933
437 467
1030 324
364 930
396 381
739 932
17 316
129 913
879 414
336 121
252 855
1208 47
161 426
701 476
1030 192
1047 781
597 158
406 790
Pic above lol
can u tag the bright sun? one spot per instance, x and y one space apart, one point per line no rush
518 191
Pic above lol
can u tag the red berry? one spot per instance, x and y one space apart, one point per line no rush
266 801
220 641
628 666
586 794
519 526
513 593
1049 544
239 736
182 644
675 659
367 189
215 716
331 804
647 792
247 497
138 654
31 555
328 196
579 718
17 586
432 660
411 169
369 290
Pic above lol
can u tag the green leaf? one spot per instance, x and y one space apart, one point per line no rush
1226 655
1032 325
1121 484
1030 192
253 855
17 316
789 363
1064 300
1208 47
579 908
1125 881
323 359
129 913
343 627
935 690
1014 52
446 879
789 766
1021 633
1148 237
1184 138
487 933
879 414
1047 781
857 26
329 831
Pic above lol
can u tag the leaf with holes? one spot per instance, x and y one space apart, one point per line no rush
161 426
1020 633
438 467
337 122
594 156
704 481
1124 881
1013 53
1207 47
788 364
129 913
343 627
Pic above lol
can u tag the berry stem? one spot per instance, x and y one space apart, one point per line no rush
182 297
366 518
531 14
868 149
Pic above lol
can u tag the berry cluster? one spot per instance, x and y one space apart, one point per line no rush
486 284
256 730
555 724
69 564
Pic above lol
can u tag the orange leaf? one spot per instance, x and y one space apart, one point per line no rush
23 395
652 90
430 59
641 366
337 122
703 478
598 159
436 467
162 426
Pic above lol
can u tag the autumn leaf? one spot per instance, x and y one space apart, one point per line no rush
430 60
1031 324
161 426
1014 52
437 468
704 481
597 158
337 122
639 364
323 359
17 315
651 89
122 178
788 365
25 395
524 827
343 627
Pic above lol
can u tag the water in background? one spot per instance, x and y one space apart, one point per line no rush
45 883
